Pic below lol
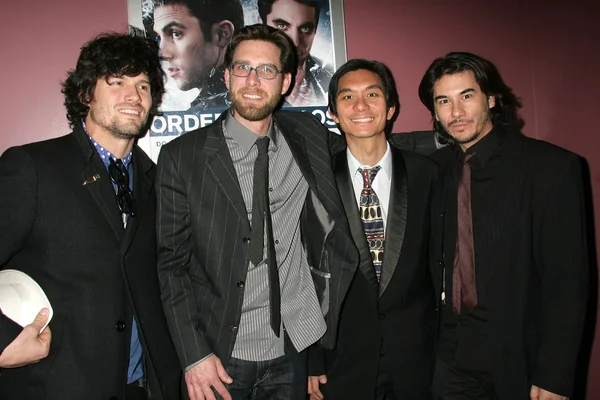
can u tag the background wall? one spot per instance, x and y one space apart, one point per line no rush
547 53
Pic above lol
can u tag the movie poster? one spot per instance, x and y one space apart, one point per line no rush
193 35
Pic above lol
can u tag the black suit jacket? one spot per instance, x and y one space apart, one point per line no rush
204 234
530 251
396 316
69 237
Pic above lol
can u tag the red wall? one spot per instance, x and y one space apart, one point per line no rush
547 53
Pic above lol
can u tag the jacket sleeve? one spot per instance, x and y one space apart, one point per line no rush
174 255
564 281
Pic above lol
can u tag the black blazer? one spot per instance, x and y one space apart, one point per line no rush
400 311
69 238
203 233
531 244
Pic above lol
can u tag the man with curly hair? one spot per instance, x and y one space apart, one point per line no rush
78 216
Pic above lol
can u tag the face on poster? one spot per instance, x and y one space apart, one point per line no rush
193 36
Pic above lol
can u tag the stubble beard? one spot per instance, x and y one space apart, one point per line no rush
116 129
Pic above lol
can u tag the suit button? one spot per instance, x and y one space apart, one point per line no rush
120 325
246 240
240 284
233 328
440 264
381 316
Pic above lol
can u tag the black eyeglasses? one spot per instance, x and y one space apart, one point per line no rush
120 177
263 71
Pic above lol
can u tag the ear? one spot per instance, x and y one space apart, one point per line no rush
227 78
491 101
287 80
391 112
333 117
221 33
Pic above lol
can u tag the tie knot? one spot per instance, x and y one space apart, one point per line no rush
262 144
467 157
369 174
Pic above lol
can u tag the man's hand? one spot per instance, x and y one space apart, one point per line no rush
313 386
30 346
537 393
207 375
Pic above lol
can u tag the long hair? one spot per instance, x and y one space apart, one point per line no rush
210 12
268 34
505 111
387 79
111 54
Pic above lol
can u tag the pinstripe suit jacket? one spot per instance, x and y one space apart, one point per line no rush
203 233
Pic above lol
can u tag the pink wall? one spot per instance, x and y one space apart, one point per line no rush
548 54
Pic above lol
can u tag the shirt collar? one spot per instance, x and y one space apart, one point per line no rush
244 137
106 155
385 163
485 148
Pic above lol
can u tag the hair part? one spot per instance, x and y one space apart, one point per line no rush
266 6
265 33
210 12
505 111
387 80
111 54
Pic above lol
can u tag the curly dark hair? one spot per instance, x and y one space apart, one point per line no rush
111 54
268 34
387 80
504 113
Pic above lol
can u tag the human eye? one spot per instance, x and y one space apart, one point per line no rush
372 94
467 96
443 102
241 67
113 81
281 26
306 30
144 86
176 34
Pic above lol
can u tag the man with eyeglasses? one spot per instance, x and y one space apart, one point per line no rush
78 216
254 248
299 19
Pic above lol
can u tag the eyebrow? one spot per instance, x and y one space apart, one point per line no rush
281 21
443 96
347 90
172 25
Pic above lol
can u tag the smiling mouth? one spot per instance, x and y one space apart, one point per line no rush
130 112
173 71
362 120
251 96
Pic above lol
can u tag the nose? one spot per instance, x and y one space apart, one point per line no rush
252 79
457 110
164 50
295 36
132 94
360 104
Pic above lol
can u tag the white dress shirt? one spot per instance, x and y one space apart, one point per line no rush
381 184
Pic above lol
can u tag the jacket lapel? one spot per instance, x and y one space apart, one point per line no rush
142 190
220 165
396 219
95 179
344 183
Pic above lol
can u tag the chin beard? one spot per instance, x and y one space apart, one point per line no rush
254 113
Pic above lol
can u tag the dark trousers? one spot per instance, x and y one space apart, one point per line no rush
450 382
284 378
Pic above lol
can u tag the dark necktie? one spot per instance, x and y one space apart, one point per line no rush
261 217
372 218
463 277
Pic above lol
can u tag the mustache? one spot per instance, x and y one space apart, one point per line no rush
460 121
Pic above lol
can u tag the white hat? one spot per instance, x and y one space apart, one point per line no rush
21 298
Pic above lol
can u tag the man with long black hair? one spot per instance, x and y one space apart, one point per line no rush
509 247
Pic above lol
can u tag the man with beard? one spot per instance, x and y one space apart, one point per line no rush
254 249
509 243
78 216
299 19
193 36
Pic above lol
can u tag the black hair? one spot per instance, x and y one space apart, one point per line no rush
266 33
210 12
505 111
111 54
387 79
266 6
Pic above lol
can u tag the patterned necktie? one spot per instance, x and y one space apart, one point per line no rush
463 276
372 218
